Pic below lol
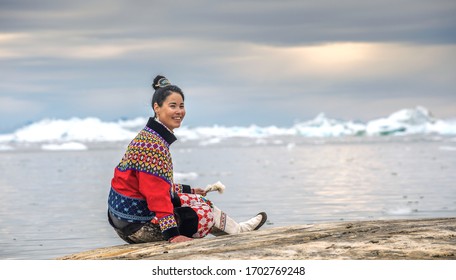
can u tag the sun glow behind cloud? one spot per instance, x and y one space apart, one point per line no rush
340 61
337 59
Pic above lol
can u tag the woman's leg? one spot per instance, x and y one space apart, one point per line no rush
223 224
147 233
203 214
134 232
213 220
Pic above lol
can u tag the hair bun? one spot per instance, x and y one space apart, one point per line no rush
160 82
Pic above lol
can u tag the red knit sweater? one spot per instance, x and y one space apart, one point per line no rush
145 175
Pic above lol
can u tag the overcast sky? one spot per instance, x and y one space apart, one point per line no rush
238 62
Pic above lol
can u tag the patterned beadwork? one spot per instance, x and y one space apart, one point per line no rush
178 188
149 153
203 209
167 222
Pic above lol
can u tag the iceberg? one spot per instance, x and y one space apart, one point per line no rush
75 129
84 130
321 126
406 121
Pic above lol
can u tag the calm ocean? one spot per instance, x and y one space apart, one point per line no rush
53 203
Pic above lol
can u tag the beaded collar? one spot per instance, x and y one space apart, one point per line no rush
162 130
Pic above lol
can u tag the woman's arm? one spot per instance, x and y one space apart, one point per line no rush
181 188
157 193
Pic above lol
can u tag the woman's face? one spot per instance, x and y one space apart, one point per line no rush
172 112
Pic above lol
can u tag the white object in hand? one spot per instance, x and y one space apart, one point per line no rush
215 187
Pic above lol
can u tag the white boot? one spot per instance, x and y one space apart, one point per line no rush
223 224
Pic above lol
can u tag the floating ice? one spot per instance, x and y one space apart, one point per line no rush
407 121
399 211
184 176
70 146
75 129
404 122
6 148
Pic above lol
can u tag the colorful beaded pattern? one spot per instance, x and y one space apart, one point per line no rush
203 209
178 188
149 153
167 222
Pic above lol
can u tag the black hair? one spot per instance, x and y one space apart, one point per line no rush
163 88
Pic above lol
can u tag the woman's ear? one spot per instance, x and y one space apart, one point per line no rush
156 108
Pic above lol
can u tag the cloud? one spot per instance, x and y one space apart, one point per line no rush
120 100
14 105
237 61
267 22
343 62
55 44
14 111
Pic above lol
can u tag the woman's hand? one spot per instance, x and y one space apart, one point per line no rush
180 238
199 191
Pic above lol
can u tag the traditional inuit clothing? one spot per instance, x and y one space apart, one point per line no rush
143 192
145 204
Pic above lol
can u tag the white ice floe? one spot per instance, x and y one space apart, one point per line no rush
184 176
5 148
401 211
403 122
75 129
69 146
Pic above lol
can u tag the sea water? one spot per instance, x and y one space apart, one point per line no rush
54 203
55 175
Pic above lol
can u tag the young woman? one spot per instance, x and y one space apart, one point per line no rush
144 203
